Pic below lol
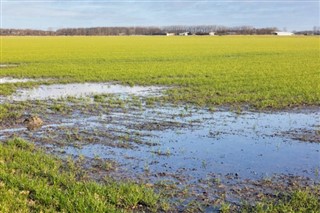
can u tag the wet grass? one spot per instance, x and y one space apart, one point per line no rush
259 71
33 181
297 201
10 112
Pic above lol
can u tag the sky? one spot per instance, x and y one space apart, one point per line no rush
53 14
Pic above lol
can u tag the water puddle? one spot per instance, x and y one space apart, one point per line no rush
58 91
193 143
8 65
9 80
214 143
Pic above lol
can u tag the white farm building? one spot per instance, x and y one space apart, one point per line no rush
184 34
283 33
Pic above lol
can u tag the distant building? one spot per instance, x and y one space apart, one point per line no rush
184 34
171 34
283 33
212 33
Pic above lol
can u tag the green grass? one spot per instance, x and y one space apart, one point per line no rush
10 112
298 201
33 181
260 71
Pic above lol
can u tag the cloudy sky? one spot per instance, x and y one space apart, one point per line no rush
45 14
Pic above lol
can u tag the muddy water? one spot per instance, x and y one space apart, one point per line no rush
218 143
58 91
189 144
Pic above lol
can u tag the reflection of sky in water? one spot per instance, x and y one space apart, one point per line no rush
223 142
249 143
14 80
8 65
78 90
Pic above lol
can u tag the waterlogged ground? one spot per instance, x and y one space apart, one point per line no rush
14 80
58 91
194 155
8 65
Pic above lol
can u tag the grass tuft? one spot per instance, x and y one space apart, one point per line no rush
296 201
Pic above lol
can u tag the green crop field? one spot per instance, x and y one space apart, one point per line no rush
259 71
232 72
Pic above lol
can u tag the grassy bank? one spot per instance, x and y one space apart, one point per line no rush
33 181
260 71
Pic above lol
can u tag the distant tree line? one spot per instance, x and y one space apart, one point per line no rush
196 30
118 31
26 32
315 31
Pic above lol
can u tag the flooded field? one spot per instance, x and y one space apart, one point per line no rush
116 131
14 80
58 91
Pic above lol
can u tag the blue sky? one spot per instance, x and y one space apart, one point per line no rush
37 14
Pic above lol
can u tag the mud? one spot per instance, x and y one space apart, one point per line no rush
306 135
